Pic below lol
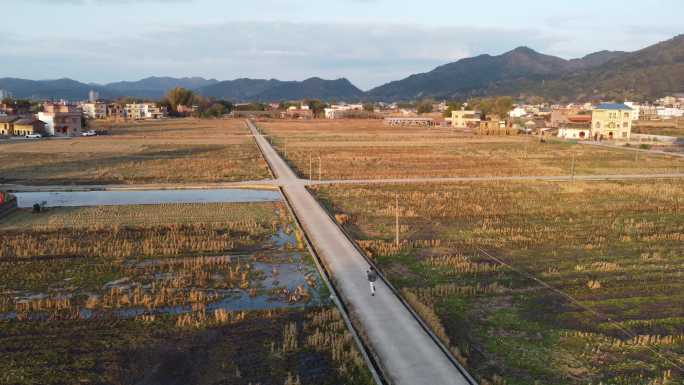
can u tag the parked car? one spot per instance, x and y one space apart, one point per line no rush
34 136
89 133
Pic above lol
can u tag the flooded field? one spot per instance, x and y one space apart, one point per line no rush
153 197
111 300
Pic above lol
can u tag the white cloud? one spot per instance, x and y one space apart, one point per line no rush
367 54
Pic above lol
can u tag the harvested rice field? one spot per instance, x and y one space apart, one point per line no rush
536 283
167 294
167 151
366 149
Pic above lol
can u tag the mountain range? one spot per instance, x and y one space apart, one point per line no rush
648 73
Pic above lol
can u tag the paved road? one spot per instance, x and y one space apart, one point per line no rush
405 351
498 178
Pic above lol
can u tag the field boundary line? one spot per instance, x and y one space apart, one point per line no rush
445 350
578 303
371 362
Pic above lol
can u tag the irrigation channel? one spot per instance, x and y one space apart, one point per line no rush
406 351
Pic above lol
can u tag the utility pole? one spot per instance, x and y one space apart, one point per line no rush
573 167
636 151
396 221
320 168
310 167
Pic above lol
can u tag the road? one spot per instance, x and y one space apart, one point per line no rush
562 178
275 183
407 354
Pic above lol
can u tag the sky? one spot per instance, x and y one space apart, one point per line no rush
369 42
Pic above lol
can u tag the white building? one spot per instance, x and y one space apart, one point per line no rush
93 96
141 111
518 112
636 109
669 112
339 111
4 94
574 133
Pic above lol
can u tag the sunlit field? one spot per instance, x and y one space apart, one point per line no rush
549 283
367 149
165 151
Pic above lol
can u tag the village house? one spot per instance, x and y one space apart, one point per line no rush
61 119
611 121
494 125
116 111
94 110
7 124
29 126
560 116
465 119
341 111
143 111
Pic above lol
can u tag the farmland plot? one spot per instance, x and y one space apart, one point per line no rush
172 294
365 149
168 151
546 283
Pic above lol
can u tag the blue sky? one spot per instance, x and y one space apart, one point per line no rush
369 42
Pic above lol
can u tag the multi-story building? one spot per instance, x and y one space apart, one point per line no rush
465 119
61 119
95 110
29 126
142 111
611 121
116 111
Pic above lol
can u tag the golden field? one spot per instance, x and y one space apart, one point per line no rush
366 149
165 151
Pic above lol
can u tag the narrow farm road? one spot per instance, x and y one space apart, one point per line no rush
406 352
556 178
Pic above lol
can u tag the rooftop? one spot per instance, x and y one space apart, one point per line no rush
8 119
612 106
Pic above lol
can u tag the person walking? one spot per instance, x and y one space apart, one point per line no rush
372 276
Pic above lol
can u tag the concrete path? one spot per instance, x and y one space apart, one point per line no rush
275 183
404 349
561 178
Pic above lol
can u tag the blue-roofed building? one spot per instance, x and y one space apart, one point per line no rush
611 121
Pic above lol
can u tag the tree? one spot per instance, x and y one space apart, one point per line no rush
178 97
452 106
500 106
317 107
369 107
424 107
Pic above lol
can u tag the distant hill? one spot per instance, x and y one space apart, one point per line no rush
156 87
649 73
276 90
50 89
485 74
645 74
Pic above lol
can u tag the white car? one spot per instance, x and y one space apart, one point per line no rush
34 136
89 133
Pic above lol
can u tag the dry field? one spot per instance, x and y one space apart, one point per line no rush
169 294
366 149
168 151
674 127
537 283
